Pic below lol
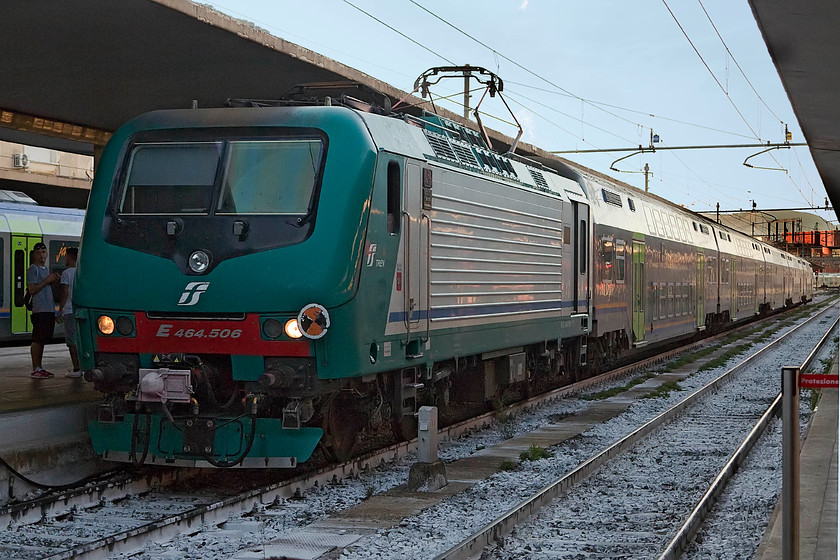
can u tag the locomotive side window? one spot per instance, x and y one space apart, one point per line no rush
270 177
394 188
171 178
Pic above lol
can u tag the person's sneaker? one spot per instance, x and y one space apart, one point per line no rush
74 373
41 374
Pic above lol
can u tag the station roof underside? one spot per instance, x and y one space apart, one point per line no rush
73 72
803 42
98 64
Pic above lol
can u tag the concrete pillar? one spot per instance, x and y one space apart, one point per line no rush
427 434
428 474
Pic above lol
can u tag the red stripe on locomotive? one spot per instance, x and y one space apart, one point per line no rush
202 337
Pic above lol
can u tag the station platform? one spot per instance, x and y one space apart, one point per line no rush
43 422
817 489
20 392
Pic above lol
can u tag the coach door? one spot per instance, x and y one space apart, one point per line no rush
581 258
638 291
700 292
416 224
22 245
755 291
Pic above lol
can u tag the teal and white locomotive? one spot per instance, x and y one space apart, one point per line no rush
256 280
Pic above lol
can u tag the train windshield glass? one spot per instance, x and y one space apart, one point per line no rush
228 177
171 178
270 177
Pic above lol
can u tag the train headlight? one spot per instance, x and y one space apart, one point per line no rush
313 321
124 326
105 324
292 329
199 261
272 328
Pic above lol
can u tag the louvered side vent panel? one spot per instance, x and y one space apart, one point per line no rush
441 146
492 255
611 197
538 178
465 155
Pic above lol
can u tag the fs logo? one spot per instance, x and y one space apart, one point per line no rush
371 254
192 292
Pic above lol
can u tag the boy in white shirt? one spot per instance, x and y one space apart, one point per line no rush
65 309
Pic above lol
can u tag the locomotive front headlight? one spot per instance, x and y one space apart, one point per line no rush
105 324
292 329
199 261
272 328
124 326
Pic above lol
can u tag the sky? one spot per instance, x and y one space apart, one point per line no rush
584 75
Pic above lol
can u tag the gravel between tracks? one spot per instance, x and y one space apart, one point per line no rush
446 524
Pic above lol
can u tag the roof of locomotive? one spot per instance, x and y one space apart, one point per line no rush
435 139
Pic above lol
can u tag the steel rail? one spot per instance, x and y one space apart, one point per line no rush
166 528
472 546
706 504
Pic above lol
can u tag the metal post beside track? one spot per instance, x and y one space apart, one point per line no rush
790 463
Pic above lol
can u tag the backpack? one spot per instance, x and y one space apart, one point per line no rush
27 300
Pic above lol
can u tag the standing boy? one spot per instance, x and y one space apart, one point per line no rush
65 308
38 282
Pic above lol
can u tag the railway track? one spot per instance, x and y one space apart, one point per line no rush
72 526
639 486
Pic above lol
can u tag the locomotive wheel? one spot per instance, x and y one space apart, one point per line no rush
405 427
342 425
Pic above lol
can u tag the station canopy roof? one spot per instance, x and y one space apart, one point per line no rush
803 41
73 72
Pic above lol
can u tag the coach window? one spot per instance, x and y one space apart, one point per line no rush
653 300
677 305
2 275
689 298
393 202
619 261
608 258
663 300
671 302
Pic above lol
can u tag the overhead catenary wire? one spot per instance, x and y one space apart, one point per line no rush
585 101
521 67
398 32
726 93
736 62
645 113
554 109
703 60
497 56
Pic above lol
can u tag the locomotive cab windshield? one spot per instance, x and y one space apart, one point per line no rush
246 194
